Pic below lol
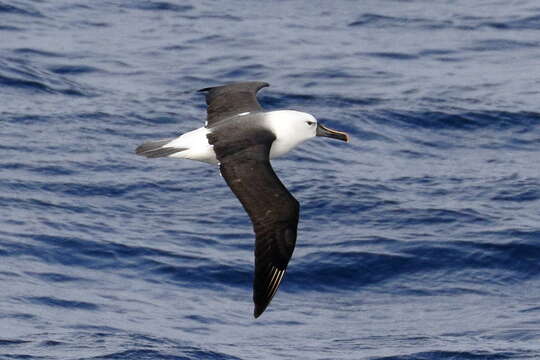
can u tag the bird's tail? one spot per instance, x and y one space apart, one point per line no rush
155 149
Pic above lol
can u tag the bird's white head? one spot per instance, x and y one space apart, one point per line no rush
294 127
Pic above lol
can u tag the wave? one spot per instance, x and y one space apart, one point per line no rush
30 52
456 22
26 10
458 120
151 354
108 343
61 303
24 76
431 263
73 69
377 20
159 6
335 267
521 23
500 45
455 355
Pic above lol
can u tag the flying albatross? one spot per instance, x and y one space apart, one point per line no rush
241 137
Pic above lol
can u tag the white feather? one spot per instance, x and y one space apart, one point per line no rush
196 146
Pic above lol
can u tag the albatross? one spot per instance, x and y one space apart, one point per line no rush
241 137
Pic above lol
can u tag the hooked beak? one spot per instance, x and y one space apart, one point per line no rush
324 131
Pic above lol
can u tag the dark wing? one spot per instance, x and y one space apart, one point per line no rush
272 209
228 100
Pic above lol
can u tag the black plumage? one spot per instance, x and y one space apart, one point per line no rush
229 100
245 166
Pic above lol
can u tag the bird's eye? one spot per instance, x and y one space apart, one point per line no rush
310 123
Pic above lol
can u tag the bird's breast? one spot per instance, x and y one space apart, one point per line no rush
280 147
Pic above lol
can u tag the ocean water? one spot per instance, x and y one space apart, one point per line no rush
418 240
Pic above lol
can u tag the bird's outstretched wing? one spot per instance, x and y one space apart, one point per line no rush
228 100
272 209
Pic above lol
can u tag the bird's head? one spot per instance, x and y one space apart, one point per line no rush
305 126
292 128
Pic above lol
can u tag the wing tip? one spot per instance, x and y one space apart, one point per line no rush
260 307
271 290
258 311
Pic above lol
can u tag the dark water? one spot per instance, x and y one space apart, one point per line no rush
418 240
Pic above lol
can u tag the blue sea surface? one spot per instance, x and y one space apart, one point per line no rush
418 240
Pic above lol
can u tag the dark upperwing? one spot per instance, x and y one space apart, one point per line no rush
272 209
232 99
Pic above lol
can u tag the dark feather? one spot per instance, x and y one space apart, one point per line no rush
155 149
229 100
272 209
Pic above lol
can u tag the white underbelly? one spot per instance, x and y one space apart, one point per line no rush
195 146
